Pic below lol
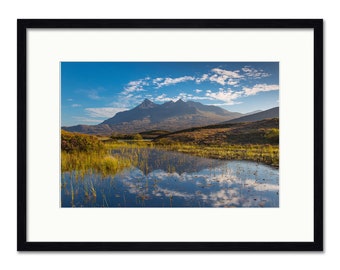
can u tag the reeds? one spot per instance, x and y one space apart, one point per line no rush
95 162
263 153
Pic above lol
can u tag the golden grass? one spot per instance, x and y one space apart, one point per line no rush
268 154
263 153
93 162
99 159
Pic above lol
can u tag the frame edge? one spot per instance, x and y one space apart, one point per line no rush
23 245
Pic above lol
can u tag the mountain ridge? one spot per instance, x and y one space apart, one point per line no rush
167 116
270 113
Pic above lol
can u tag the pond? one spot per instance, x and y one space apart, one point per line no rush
171 179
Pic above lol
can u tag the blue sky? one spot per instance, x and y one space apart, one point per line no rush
92 92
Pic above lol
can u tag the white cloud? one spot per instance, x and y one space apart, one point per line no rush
162 98
224 77
75 105
260 88
198 98
104 112
69 99
169 81
202 79
169 192
267 187
223 104
186 96
198 91
218 79
228 96
233 82
255 73
136 86
165 98
229 74
183 96
157 80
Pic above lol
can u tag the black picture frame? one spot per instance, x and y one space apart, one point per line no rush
25 24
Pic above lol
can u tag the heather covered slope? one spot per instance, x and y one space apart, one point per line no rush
259 132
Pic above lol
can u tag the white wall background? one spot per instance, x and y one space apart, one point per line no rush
11 10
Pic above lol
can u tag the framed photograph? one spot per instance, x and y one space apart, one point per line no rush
170 135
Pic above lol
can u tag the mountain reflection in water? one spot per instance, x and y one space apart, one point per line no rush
171 179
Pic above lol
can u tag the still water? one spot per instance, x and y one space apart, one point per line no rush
171 179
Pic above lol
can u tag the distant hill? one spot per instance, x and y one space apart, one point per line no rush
170 116
258 132
271 113
253 112
89 129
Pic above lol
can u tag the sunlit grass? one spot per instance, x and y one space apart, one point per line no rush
263 153
268 154
85 169
99 159
96 162
83 154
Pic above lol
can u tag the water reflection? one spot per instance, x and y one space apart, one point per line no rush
150 160
169 179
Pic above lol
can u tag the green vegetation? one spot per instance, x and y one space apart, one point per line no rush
118 136
137 137
94 162
125 137
152 134
86 154
268 154
272 135
256 141
76 142
264 153
260 132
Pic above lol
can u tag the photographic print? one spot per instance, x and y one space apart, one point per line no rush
169 134
126 134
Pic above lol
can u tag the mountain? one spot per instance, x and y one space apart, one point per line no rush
271 113
146 104
170 116
249 113
89 129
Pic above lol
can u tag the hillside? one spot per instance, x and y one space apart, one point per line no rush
259 132
90 129
271 113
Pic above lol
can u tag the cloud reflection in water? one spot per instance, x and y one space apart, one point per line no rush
190 182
